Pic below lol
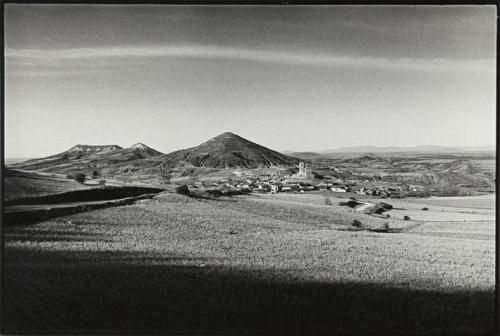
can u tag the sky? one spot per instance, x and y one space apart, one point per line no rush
296 78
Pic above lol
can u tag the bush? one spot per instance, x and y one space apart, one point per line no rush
183 190
379 208
214 192
352 203
419 193
79 177
406 217
95 174
318 176
425 208
385 206
356 223
450 190
328 201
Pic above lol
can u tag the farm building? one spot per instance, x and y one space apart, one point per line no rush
338 189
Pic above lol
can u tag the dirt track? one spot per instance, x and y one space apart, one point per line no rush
364 207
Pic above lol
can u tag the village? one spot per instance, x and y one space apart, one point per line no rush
304 181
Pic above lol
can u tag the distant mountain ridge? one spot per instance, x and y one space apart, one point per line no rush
140 162
226 150
305 155
84 156
93 148
135 152
416 149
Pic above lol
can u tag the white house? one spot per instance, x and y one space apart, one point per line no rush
338 189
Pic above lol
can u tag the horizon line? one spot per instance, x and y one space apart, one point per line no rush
493 146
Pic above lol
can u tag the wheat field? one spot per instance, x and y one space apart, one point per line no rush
254 263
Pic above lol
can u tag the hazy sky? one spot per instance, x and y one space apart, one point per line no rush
287 77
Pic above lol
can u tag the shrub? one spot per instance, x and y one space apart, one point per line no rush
183 190
420 193
352 203
214 192
425 208
380 208
356 223
449 190
95 174
386 206
376 209
318 176
328 201
406 217
79 177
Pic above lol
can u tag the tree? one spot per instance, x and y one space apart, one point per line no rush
80 177
356 223
165 175
183 190
449 189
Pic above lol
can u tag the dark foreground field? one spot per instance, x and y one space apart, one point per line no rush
252 264
129 294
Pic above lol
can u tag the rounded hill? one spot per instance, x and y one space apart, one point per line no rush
229 150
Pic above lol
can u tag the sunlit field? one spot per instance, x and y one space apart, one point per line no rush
33 184
252 263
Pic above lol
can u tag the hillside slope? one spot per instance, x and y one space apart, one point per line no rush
229 150
108 158
75 154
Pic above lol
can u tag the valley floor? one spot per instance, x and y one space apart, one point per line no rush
253 263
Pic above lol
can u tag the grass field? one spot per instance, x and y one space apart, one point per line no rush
255 263
33 184
476 202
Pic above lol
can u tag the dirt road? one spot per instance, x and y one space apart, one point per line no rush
364 207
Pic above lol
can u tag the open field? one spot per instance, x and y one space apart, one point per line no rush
477 202
31 210
33 184
249 264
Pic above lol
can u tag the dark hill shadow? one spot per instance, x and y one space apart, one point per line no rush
85 292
